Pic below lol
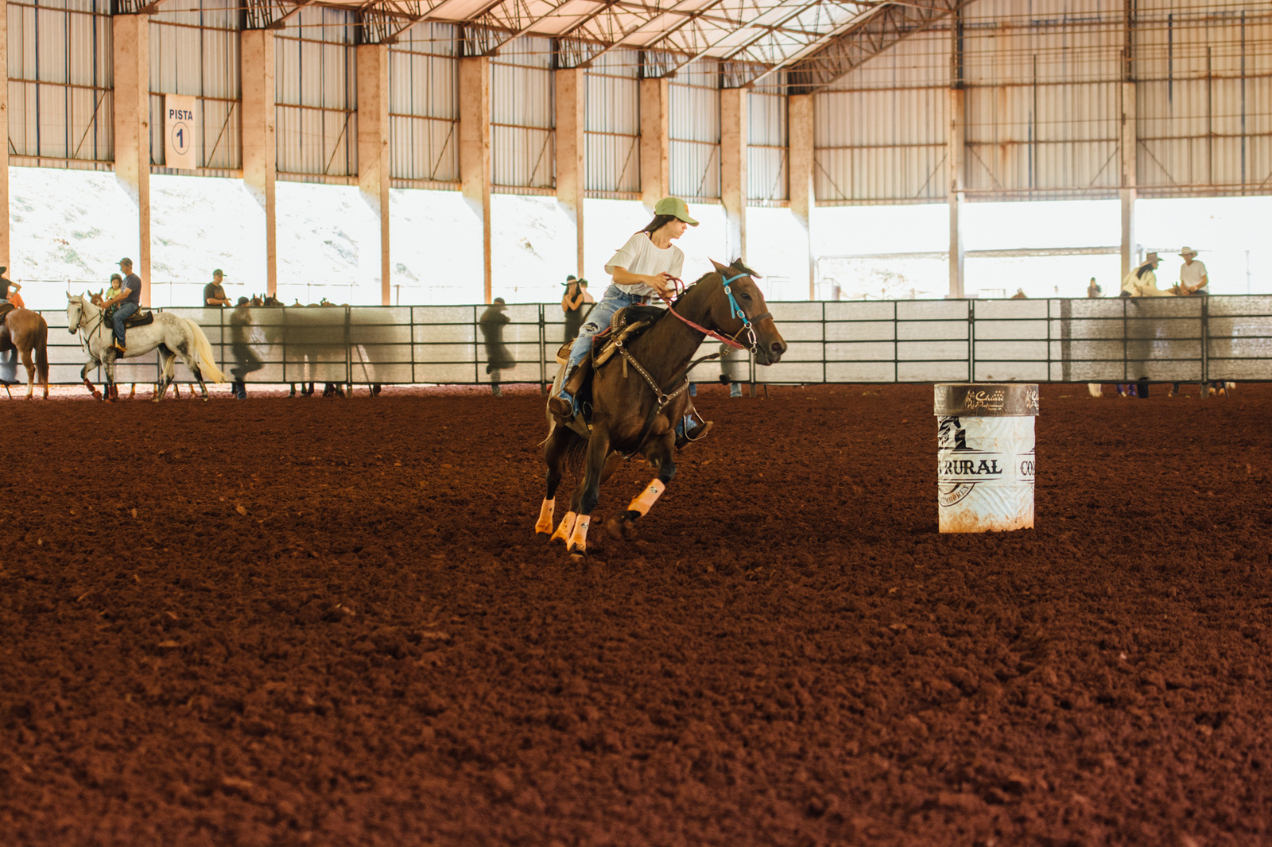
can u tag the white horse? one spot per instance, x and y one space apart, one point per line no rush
173 336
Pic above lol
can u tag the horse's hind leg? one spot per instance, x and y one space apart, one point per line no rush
194 369
598 451
165 372
29 364
624 525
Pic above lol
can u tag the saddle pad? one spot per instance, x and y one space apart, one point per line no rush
140 319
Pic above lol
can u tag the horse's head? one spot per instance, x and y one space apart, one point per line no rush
75 309
741 306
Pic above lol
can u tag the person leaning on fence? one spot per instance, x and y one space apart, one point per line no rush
213 293
1192 274
1142 282
1093 289
498 357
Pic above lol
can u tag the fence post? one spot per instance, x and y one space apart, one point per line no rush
543 351
971 340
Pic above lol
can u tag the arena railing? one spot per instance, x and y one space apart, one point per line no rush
1167 339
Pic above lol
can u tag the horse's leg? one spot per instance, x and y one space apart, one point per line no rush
598 450
661 455
554 453
165 372
198 374
29 364
97 395
110 376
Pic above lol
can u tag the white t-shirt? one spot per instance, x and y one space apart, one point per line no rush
1191 275
640 256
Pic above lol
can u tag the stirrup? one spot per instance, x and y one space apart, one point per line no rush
562 410
696 433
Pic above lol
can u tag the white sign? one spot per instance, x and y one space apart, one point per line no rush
180 131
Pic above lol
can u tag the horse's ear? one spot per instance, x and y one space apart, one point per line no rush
739 266
719 267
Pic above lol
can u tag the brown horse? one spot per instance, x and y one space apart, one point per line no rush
635 409
24 331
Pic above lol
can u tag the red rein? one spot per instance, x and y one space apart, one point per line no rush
679 286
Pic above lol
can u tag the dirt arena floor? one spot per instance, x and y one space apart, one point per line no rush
327 622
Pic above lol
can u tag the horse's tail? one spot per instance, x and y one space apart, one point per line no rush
42 351
203 352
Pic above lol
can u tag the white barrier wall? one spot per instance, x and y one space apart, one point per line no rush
918 341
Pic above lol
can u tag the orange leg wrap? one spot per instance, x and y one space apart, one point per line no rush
642 504
544 526
564 529
578 538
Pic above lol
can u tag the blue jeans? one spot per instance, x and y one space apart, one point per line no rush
125 311
613 300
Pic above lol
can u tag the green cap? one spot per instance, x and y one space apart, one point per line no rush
675 207
218 272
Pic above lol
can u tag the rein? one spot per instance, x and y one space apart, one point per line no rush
663 399
735 310
89 333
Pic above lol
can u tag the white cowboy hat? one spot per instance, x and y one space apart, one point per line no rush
1188 251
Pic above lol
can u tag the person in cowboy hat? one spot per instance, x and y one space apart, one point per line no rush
1192 274
1142 282
572 305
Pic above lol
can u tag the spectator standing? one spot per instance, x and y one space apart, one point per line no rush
213 294
245 359
572 305
498 357
1192 274
1194 281
1093 292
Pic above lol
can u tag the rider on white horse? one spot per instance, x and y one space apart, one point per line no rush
129 303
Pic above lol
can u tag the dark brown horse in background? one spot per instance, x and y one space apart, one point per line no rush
24 332
635 409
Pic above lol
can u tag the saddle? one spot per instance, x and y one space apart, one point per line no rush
139 318
627 323
5 309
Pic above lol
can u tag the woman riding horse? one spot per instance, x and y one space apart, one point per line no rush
635 410
641 268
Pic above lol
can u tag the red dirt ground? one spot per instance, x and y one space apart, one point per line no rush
328 623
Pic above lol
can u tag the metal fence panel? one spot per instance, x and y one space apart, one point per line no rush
1111 340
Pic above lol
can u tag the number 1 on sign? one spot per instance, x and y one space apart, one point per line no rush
181 138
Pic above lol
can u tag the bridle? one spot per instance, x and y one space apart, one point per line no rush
663 399
88 333
735 311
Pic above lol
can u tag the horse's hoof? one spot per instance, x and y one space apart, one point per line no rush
97 395
541 535
578 557
621 527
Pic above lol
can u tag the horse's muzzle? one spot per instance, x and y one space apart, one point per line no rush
769 350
